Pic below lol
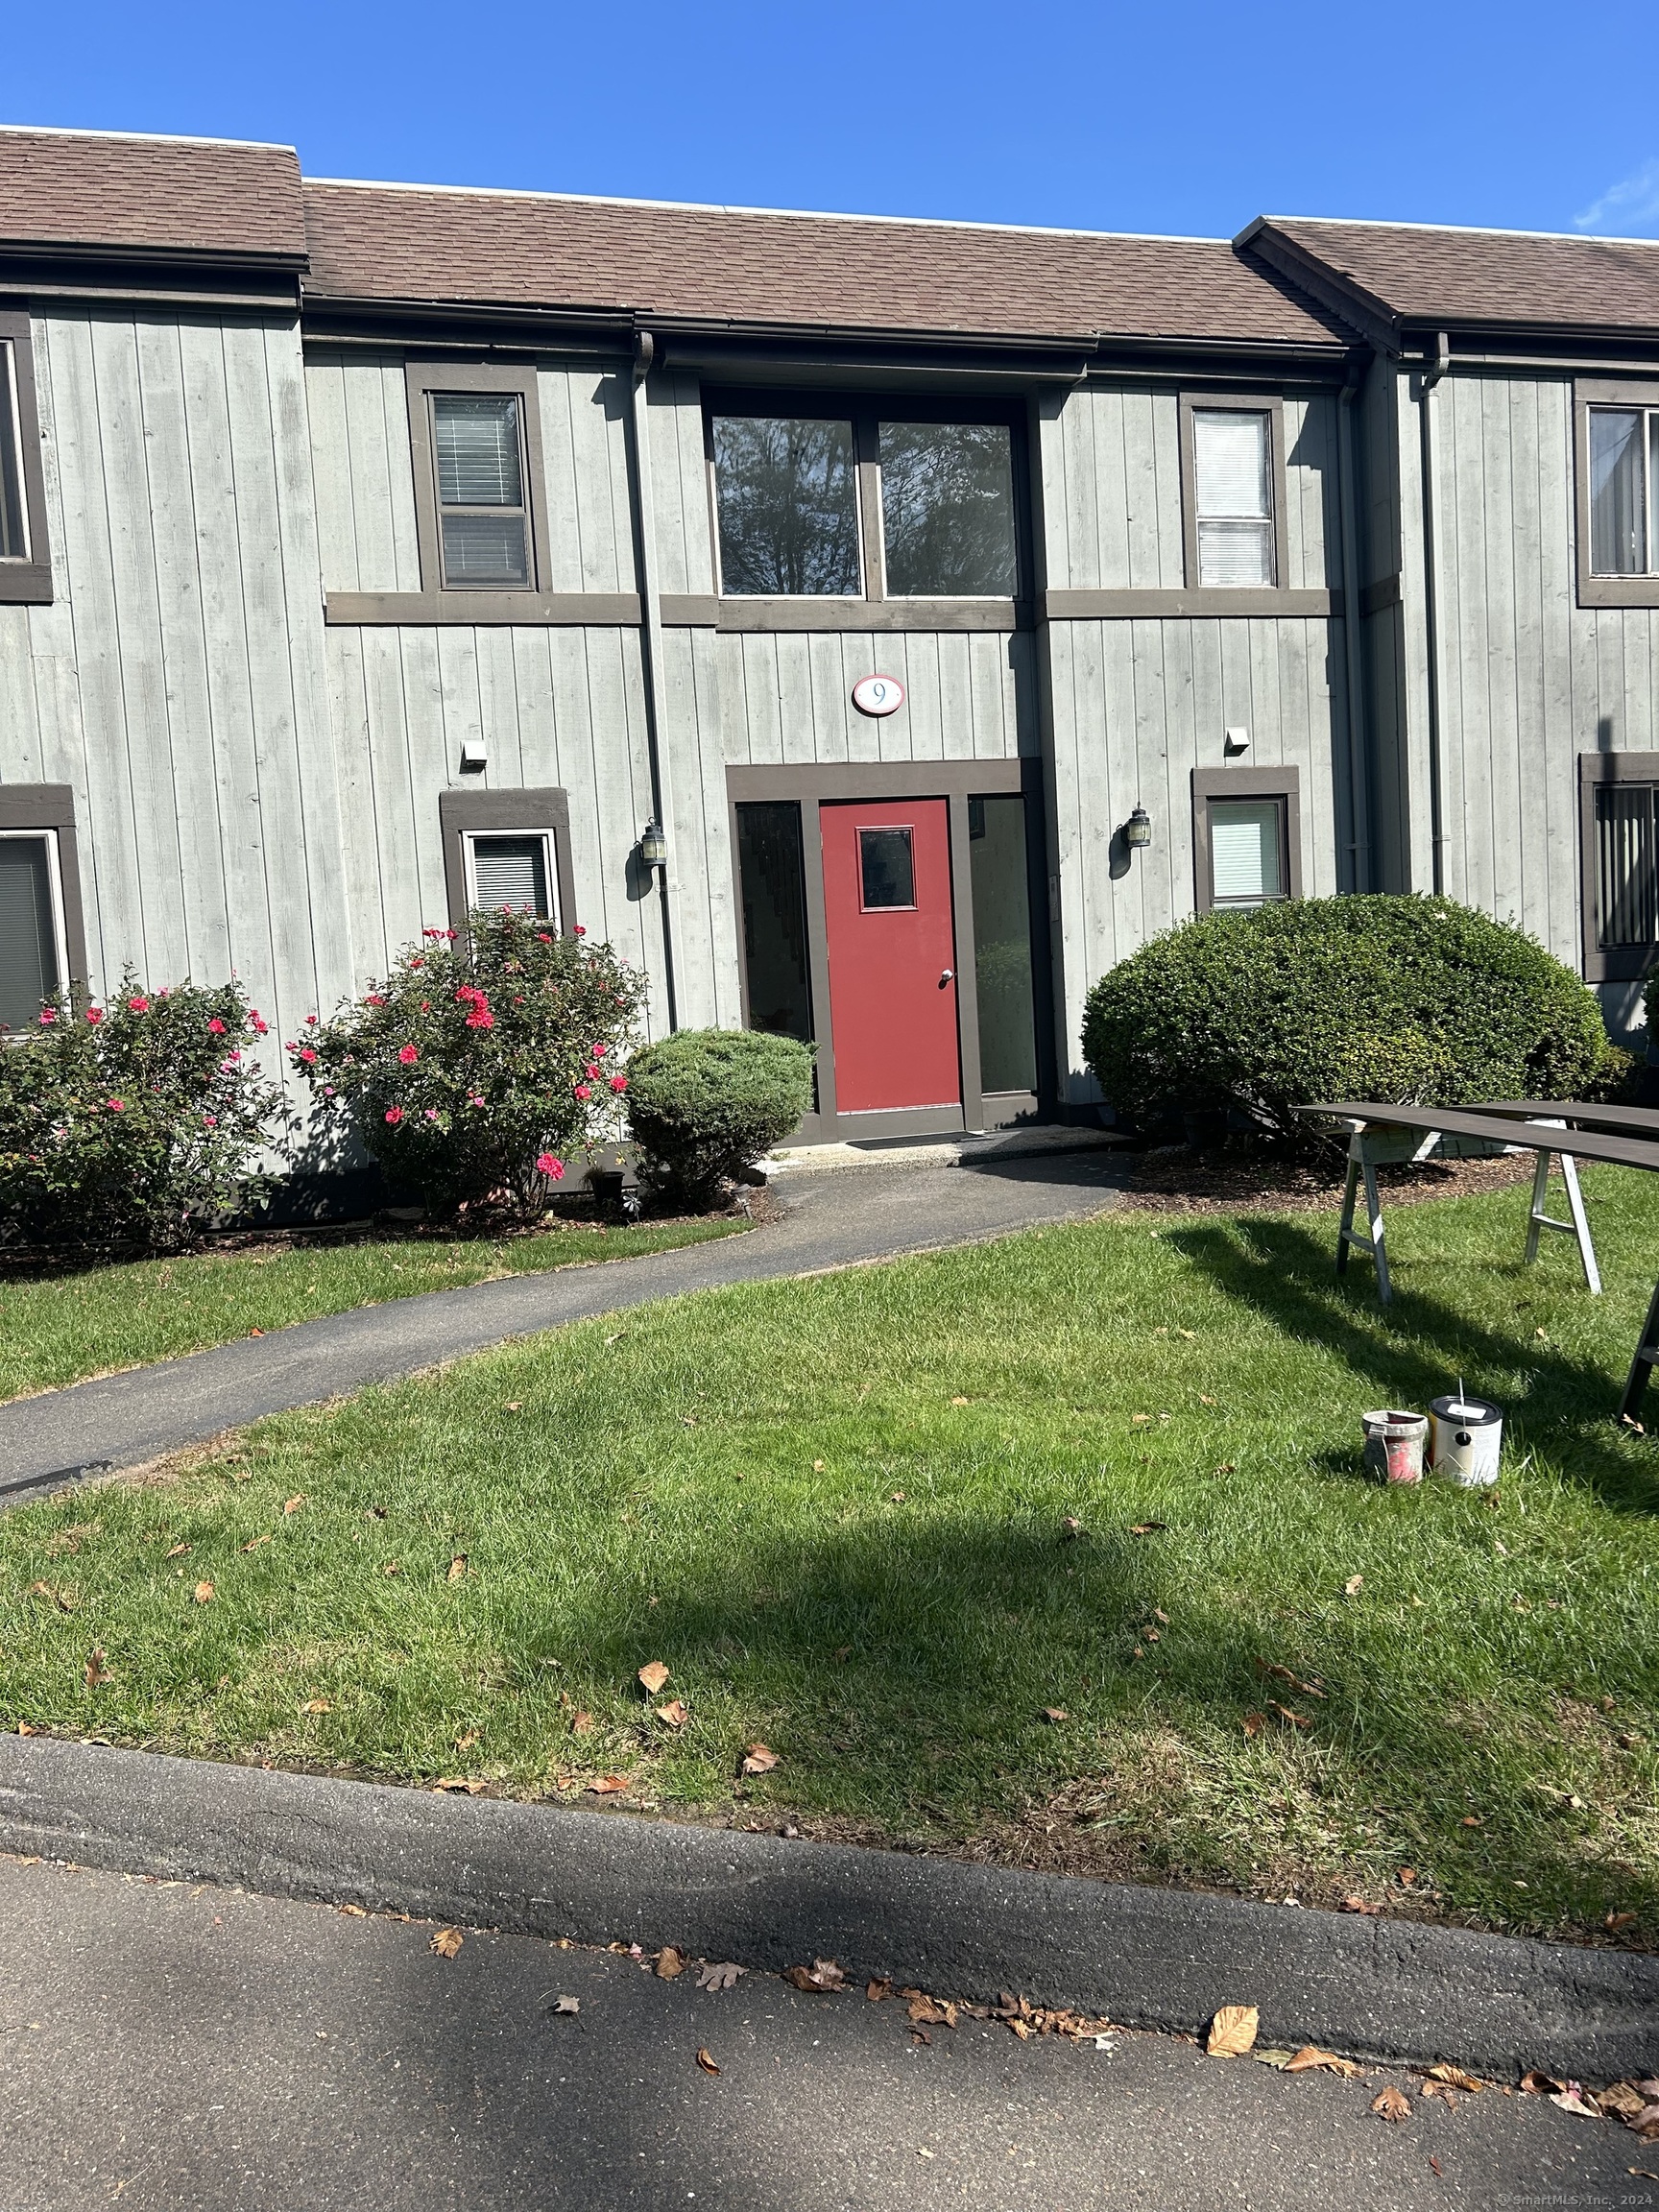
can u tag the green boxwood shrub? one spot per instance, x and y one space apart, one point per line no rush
1404 999
484 1061
706 1104
134 1124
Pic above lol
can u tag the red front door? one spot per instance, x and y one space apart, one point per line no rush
892 955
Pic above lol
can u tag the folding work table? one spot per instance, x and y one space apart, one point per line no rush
1569 1129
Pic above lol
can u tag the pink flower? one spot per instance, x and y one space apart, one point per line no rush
117 1105
408 1055
475 1101
426 1005
595 1052
208 1122
374 999
584 1089
393 1115
431 932
229 1066
307 1056
137 1005
467 990
547 1165
259 1029
592 1067
543 938
94 1014
481 1018
310 1021
431 1113
327 1090
416 960
215 1027
580 931
618 1083
289 1045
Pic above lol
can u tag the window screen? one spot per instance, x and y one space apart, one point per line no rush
14 511
947 509
511 871
887 868
477 444
1246 852
1626 884
29 969
1232 453
786 490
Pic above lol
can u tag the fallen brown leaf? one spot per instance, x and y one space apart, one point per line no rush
958 1401
1359 1905
706 2063
919 2035
96 1671
1203 1401
654 1677
457 1567
1353 1585
316 1705
817 1466
566 2005
1536 2084
1392 2105
1071 1525
822 1975
1454 2077
1252 1724
1436 2169
878 1989
1296 1720
1471 1820
254 1543
1055 1713
467 1785
203 1593
293 1503
896 1496
1624 2099
669 1963
392 1567
928 2012
1231 2032
609 1785
1408 1875
446 1942
758 1760
1572 2096
1147 1528
673 1715
721 1977
582 1723
467 1741
1284 1675
1310 2058
176 1552
1617 1920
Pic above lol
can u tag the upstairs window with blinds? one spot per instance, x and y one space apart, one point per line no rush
31 967
1233 495
511 870
483 514
1624 455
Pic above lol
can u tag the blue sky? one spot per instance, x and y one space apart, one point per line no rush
1106 116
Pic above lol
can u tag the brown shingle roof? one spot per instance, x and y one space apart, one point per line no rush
1420 274
154 195
724 266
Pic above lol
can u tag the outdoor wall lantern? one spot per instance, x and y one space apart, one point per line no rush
1137 831
652 845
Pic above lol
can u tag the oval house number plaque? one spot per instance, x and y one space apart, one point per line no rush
877 695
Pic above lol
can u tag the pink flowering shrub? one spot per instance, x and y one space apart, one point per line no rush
470 1071
135 1123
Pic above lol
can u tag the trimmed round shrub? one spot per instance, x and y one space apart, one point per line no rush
706 1104
487 1057
136 1124
1408 1000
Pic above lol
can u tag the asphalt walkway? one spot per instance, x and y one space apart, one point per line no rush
832 1220
181 2048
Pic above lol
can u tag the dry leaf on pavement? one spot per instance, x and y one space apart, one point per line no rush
608 1785
673 1715
823 1974
654 1677
1310 2058
1454 2077
1389 2104
1572 2098
1535 2083
446 1942
1231 2032
724 1976
566 2005
928 2012
878 1988
669 1963
203 1593
758 1760
706 2063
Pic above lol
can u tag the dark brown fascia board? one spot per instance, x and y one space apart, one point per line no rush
116 251
1369 314
62 278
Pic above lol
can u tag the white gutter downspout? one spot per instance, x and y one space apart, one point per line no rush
651 647
1433 372
1358 748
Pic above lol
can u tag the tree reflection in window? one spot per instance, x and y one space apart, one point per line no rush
787 495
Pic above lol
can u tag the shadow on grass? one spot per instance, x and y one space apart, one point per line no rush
1415 1347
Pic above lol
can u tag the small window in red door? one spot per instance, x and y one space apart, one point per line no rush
886 870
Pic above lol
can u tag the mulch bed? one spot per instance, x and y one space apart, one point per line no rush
1174 1179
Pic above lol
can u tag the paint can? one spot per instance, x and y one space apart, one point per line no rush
1394 1443
1465 1436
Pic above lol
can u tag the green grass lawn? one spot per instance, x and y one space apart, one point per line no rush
56 1328
835 1510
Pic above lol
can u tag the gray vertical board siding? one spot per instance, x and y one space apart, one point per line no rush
585 460
683 548
785 697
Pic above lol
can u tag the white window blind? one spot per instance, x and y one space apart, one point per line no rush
479 451
29 968
1231 453
1246 862
511 871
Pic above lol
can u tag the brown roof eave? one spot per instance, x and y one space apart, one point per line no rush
118 254
1369 314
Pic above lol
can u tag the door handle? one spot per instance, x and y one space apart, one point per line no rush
948 976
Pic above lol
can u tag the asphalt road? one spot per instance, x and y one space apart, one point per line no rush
177 2048
832 1220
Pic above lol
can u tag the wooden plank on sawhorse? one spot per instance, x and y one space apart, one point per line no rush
1642 1364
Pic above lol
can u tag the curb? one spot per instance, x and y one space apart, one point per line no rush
1149 1958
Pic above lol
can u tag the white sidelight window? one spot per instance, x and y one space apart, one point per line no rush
1233 492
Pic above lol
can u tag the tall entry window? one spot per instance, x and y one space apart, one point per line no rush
1002 942
772 880
870 503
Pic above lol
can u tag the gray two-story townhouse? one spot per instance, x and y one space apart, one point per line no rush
875 627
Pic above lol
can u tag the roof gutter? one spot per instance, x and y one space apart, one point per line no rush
650 648
1433 372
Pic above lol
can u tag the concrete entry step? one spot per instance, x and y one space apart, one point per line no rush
962 1148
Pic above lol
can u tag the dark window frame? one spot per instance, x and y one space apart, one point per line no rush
875 607
49 810
1273 405
423 378
544 812
1282 783
1617 963
1606 590
27 582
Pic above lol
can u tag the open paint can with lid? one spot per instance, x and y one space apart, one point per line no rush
1465 1436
